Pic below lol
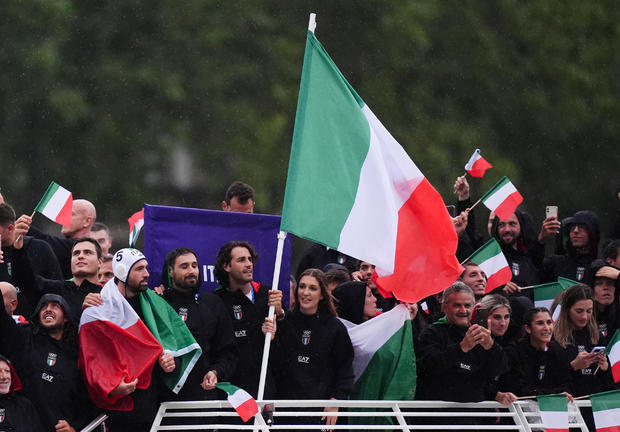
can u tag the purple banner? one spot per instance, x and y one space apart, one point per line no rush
205 231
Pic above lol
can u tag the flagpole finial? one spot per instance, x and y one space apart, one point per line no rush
312 22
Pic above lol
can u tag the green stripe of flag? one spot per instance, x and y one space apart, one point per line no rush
555 402
547 291
330 143
606 401
566 283
488 250
501 183
47 196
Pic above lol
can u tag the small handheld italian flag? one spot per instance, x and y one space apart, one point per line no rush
56 204
477 165
606 410
241 401
136 222
502 199
554 412
613 352
493 262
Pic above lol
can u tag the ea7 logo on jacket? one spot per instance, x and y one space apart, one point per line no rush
183 313
305 337
47 377
51 359
465 366
303 359
240 333
237 312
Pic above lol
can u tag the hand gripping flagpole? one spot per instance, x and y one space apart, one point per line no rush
274 286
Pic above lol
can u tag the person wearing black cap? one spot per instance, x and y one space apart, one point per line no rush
207 319
16 412
580 236
45 356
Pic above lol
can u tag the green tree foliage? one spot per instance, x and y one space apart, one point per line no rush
168 102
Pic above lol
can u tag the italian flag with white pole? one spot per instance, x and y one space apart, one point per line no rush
241 401
502 199
353 188
613 352
606 410
56 204
477 165
492 261
554 412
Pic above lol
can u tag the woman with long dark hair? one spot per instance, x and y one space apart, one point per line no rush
312 355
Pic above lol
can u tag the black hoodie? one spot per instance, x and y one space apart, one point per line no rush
571 264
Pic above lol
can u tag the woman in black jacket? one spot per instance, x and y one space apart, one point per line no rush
313 355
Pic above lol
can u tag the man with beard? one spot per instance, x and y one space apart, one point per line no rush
131 278
207 319
523 249
85 263
45 357
248 303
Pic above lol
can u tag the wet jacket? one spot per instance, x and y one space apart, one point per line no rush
43 262
210 324
571 264
312 357
536 372
247 320
470 240
60 245
49 373
447 373
18 415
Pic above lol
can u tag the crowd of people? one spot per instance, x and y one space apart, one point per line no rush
470 344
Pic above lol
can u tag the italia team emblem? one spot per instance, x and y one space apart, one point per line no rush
51 359
1 415
580 273
541 372
515 269
305 337
183 313
341 259
237 312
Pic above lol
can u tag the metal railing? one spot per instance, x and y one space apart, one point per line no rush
98 423
364 415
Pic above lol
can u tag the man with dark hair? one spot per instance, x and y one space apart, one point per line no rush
85 263
239 198
611 252
580 236
40 254
105 271
207 319
100 232
45 357
83 217
457 360
523 248
248 303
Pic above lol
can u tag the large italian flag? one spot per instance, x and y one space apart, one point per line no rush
56 204
554 412
502 199
606 410
114 345
384 363
492 261
477 165
353 188
613 352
